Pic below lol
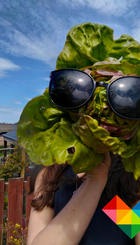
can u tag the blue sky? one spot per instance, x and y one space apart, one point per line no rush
33 33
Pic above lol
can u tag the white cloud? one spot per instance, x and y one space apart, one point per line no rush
38 31
136 30
31 47
125 12
41 91
108 7
46 78
33 33
9 114
28 99
7 65
17 102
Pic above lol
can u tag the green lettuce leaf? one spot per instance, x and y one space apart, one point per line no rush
52 135
132 164
88 43
46 134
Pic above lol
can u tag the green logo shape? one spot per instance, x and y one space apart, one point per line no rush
126 229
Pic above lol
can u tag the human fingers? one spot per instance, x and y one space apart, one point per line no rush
102 169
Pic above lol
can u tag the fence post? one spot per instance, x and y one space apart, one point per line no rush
15 202
1 208
28 201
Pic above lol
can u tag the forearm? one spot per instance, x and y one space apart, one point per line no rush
137 239
70 224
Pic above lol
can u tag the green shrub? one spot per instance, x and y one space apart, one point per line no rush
19 234
13 164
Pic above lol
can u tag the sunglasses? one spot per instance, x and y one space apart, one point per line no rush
72 88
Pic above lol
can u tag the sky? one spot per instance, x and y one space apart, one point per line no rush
33 33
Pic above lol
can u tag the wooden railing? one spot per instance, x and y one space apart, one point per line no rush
17 190
5 150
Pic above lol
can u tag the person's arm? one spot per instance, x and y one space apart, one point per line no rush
38 220
137 239
69 226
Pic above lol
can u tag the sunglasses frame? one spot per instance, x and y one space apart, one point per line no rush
95 85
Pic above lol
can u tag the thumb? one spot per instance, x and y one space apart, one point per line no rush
106 159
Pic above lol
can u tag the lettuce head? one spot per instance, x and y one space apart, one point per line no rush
79 137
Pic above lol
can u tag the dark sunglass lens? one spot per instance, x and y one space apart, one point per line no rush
124 96
70 88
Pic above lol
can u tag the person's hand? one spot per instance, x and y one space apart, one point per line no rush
100 173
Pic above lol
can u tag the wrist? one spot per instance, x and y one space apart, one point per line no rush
99 181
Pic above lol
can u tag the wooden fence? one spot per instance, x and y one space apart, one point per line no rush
17 190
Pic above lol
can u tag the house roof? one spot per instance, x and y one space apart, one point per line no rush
7 127
11 137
